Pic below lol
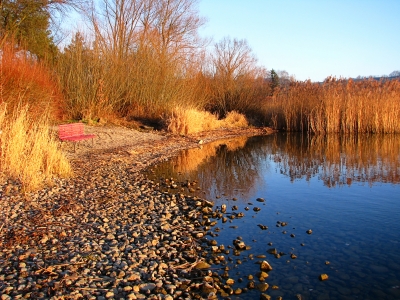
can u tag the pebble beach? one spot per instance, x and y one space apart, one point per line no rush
109 232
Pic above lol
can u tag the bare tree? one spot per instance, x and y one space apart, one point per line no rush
173 27
115 24
149 50
232 59
236 75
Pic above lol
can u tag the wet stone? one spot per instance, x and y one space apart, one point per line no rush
265 266
323 277
265 297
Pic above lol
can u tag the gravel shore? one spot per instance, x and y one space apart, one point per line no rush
109 232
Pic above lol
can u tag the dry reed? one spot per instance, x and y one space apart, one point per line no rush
29 153
187 121
337 105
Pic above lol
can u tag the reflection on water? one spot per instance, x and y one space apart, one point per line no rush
339 159
235 166
346 189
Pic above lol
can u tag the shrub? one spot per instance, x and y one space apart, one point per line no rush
24 80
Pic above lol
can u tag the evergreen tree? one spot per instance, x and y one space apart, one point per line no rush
26 23
274 80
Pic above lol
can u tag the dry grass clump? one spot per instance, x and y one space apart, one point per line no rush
187 121
29 153
235 120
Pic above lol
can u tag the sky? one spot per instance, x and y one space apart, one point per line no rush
311 39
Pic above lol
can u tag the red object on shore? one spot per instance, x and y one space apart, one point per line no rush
73 132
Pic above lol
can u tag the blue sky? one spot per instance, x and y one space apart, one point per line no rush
312 39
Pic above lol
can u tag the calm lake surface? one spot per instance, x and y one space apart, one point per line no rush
345 189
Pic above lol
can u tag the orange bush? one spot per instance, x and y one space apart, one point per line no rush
24 80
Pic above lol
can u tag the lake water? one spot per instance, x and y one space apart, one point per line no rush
345 189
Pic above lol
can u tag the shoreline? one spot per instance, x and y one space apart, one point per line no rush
145 148
109 232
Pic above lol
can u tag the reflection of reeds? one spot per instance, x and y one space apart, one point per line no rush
338 105
191 159
226 167
341 159
234 168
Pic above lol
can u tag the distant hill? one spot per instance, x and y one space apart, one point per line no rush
378 78
395 75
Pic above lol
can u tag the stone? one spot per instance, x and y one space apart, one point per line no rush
240 245
323 277
265 266
208 288
202 265
251 285
144 287
265 297
262 275
109 295
262 287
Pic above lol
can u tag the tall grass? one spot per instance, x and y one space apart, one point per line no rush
337 105
29 102
29 153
